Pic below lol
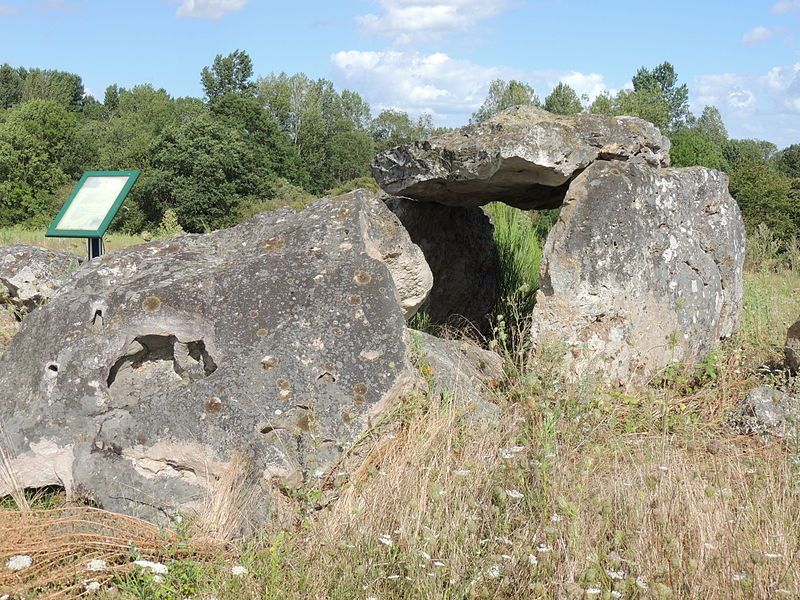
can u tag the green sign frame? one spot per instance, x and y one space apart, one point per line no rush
52 231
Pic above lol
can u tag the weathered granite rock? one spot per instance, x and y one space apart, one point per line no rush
459 247
768 411
524 157
30 276
274 342
458 372
643 267
793 348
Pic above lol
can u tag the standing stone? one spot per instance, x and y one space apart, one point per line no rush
524 156
30 276
459 247
793 348
644 267
272 345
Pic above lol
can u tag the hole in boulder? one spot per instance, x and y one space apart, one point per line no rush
160 360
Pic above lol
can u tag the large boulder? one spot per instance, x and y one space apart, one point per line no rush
793 347
30 276
643 267
459 247
267 348
524 156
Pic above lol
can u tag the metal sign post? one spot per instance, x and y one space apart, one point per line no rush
91 206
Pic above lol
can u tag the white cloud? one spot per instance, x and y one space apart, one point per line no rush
726 91
784 82
406 21
757 35
766 106
447 88
785 6
208 9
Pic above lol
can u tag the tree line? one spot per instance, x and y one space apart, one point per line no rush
253 144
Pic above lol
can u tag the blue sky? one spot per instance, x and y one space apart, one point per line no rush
434 56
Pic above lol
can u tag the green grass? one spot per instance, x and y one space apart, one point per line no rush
10 236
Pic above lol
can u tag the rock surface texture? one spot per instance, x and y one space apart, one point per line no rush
30 276
524 157
768 411
793 348
266 348
460 250
643 267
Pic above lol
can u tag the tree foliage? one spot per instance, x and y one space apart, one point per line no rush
502 95
563 101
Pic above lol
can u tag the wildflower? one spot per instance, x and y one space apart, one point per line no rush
92 586
592 592
556 518
773 555
153 567
461 472
740 576
424 554
532 560
493 572
385 539
158 579
506 557
641 583
98 564
515 494
238 570
438 563
392 577
616 575
19 562
616 594
543 548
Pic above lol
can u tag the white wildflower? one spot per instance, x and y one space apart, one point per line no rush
532 560
424 555
91 586
461 472
19 562
238 570
158 579
515 494
592 592
739 576
616 575
616 594
663 468
555 518
438 563
543 548
153 567
506 557
641 583
550 455
505 454
98 564
773 555
386 539
493 572
709 546
392 577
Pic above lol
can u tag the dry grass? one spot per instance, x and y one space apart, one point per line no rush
62 543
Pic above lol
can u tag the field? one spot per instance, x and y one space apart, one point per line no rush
572 493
